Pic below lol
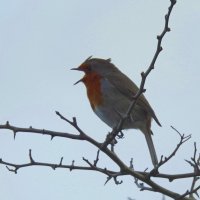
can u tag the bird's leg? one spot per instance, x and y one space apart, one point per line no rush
113 141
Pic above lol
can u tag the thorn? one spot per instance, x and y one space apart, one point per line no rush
173 1
30 156
142 74
12 170
171 179
108 179
131 163
112 147
197 194
146 169
14 133
97 158
84 158
54 167
72 166
117 182
168 29
52 136
158 37
161 158
7 123
60 164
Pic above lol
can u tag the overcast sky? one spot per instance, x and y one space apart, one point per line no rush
40 40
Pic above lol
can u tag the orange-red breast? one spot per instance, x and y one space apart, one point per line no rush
110 93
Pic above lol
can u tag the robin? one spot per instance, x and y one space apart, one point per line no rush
111 92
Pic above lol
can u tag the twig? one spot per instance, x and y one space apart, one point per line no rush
162 161
171 177
110 174
97 158
32 162
142 187
72 123
16 130
114 177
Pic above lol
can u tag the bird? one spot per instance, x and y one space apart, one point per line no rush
110 93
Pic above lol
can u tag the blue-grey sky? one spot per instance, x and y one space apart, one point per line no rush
40 40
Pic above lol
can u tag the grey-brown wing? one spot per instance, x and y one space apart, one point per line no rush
129 89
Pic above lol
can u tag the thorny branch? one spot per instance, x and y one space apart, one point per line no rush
72 166
140 185
144 75
15 167
143 176
162 161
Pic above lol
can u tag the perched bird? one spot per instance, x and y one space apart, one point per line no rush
111 92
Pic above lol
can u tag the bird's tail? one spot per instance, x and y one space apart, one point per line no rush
151 147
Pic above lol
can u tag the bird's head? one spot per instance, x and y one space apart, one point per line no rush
98 66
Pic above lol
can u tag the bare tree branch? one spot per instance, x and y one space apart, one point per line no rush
144 75
15 167
162 161
53 134
124 170
32 162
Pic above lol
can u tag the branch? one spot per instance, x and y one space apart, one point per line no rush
124 169
140 185
53 134
144 75
162 161
142 176
195 161
71 167
15 167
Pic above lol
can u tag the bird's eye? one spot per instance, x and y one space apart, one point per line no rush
85 67
89 69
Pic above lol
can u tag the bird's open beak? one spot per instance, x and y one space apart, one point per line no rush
78 69
78 81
